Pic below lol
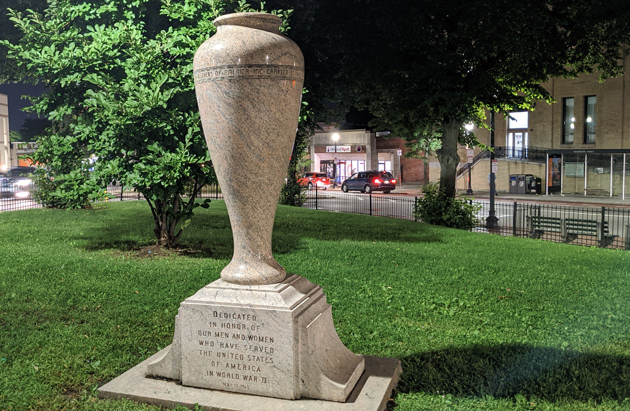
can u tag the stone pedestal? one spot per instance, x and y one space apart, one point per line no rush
274 340
256 331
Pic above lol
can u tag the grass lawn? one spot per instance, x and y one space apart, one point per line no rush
478 321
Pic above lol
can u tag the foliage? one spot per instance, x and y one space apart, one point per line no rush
64 179
32 128
438 208
8 67
476 321
291 191
426 67
15 136
119 90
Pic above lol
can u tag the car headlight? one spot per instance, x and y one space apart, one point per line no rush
23 183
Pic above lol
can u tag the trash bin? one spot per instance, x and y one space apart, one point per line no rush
513 189
520 184
538 183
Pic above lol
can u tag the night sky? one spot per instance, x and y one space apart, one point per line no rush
16 103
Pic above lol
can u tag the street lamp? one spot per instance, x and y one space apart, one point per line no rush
469 192
492 221
335 138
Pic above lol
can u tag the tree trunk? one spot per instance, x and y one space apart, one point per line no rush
448 157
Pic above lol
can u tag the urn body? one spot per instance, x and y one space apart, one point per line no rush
248 80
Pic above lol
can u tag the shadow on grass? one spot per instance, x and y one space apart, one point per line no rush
210 233
507 370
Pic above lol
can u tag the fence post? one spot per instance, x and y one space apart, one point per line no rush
316 198
122 191
413 212
514 219
370 203
600 238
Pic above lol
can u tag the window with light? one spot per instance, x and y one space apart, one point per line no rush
568 120
589 119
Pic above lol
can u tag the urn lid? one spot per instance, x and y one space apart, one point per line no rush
260 21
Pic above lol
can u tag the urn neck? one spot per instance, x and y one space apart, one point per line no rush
260 21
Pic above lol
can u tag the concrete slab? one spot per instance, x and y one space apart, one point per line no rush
370 394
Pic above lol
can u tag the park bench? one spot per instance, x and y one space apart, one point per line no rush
575 227
538 225
570 228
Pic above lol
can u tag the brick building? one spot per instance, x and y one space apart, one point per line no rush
578 145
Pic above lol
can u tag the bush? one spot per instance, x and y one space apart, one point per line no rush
69 191
439 209
292 194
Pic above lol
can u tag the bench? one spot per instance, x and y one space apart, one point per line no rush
570 228
575 227
539 225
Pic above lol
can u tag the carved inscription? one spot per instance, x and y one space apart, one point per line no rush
235 350
253 71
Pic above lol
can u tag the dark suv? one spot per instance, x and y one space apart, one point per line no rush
16 183
368 181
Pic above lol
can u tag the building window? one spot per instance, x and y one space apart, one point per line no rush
568 120
518 135
589 119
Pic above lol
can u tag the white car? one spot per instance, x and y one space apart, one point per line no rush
16 183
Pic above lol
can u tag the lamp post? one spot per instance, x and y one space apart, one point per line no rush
335 138
469 160
492 221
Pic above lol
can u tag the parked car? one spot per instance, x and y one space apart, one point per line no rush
368 181
16 183
312 179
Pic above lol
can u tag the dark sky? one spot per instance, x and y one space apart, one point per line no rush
16 103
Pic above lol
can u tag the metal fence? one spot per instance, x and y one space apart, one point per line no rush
369 204
589 226
120 193
12 198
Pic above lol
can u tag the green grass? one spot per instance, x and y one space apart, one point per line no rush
478 321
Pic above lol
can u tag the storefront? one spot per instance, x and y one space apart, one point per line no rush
342 153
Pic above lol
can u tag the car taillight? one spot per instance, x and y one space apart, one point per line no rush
393 181
377 181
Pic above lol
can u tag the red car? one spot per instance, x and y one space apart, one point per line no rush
312 179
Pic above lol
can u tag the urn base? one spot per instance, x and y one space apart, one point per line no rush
274 340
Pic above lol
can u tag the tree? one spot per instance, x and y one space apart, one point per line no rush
32 128
425 67
120 94
292 191
8 67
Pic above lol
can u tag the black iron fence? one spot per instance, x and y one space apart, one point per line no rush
589 226
120 193
370 204
16 196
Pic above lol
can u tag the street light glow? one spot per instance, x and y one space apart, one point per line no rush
469 126
335 137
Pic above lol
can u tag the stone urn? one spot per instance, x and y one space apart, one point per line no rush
248 79
255 331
